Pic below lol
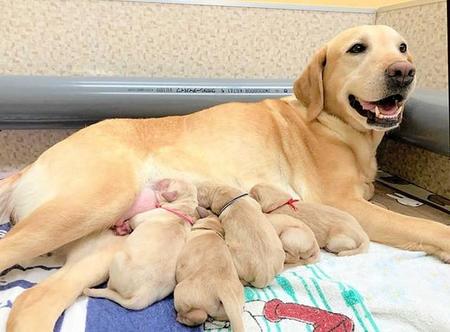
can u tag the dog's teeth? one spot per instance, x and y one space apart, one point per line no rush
377 111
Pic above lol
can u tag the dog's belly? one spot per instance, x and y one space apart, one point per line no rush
146 200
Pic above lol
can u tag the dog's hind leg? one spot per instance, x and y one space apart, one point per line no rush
75 208
58 222
38 308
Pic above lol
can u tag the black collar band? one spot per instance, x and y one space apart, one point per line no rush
230 202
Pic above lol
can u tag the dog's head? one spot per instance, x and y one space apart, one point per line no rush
364 76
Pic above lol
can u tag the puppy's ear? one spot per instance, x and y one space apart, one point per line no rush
161 185
170 196
202 212
308 88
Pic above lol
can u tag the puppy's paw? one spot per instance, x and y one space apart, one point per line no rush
343 245
303 257
193 317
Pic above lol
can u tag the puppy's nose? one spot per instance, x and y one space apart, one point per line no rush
401 73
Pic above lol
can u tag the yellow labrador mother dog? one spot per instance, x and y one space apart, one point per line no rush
319 144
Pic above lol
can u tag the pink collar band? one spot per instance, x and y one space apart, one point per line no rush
178 213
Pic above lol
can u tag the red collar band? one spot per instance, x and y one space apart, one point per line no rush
291 202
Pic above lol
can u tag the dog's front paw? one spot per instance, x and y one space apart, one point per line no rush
443 256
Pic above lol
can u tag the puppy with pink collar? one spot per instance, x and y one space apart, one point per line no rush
143 272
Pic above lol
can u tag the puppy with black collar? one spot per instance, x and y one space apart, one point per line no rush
208 283
255 247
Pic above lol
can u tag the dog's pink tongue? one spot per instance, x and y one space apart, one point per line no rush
368 105
388 109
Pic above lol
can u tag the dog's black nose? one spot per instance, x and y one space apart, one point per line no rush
401 73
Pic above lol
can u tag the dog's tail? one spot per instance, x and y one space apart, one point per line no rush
233 303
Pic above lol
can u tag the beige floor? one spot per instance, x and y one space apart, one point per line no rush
423 211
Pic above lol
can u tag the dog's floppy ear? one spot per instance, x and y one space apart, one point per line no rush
308 88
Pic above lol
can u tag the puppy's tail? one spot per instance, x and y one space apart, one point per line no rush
133 303
233 303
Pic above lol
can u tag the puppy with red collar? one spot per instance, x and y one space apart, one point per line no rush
335 230
143 272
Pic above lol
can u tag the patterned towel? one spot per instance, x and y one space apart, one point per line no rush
305 299
385 290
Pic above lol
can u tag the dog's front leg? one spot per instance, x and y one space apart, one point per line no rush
398 230
88 260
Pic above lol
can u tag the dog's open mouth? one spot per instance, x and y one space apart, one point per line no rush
384 113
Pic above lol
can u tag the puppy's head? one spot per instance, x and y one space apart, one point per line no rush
268 196
214 196
172 190
364 76
201 212
212 223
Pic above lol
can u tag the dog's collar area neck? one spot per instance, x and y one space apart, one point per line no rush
176 212
291 203
208 229
231 202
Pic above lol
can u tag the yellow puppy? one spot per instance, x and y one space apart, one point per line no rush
208 283
144 271
299 243
254 245
335 230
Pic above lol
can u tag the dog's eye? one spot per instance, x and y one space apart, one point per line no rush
403 48
357 48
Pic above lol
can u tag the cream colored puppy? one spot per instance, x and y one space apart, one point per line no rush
256 249
299 243
144 271
208 283
335 230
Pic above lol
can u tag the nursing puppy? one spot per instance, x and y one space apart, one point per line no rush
335 230
256 249
144 271
208 283
299 243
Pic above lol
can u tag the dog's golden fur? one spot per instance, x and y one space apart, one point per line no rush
207 281
143 272
256 250
335 230
315 145
299 244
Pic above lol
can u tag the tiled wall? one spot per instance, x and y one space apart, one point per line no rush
94 37
425 29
